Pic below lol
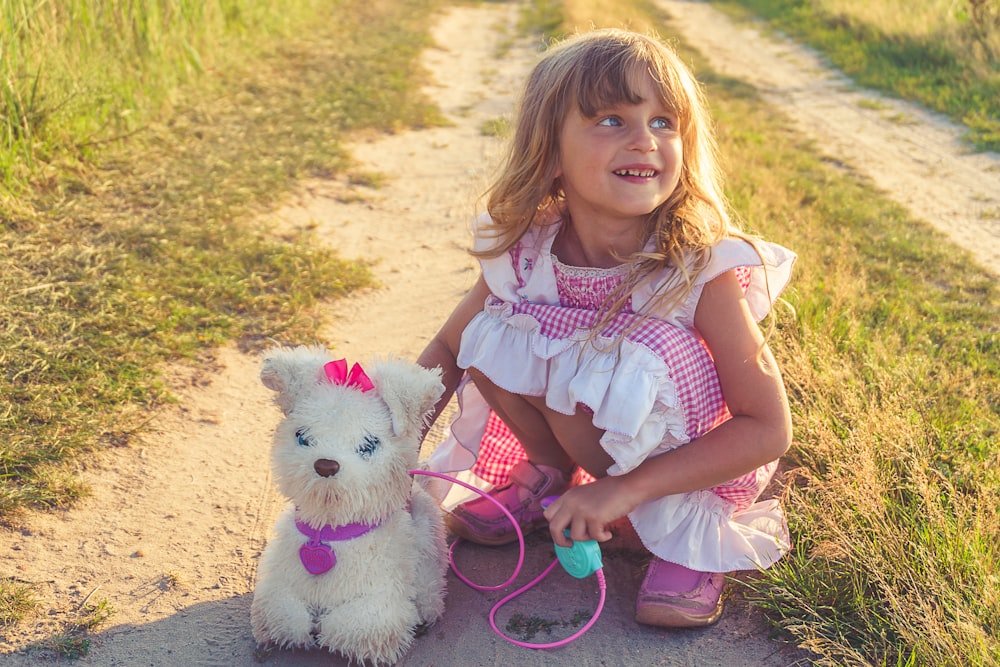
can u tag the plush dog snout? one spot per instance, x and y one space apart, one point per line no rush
326 467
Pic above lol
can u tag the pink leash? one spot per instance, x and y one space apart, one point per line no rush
599 572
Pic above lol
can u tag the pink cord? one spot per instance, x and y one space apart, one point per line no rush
517 570
562 642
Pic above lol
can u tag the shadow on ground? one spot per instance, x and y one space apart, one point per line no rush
218 633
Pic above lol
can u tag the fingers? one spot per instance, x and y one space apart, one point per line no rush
590 531
558 523
567 527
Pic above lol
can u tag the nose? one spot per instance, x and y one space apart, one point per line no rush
642 139
326 467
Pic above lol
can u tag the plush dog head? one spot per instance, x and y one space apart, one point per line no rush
349 437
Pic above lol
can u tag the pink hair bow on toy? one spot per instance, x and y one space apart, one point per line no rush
336 373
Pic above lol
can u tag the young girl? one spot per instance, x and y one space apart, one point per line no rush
609 353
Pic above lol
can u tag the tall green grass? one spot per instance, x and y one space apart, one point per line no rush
893 370
943 54
76 74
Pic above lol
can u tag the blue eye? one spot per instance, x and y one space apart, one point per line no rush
610 121
303 439
367 448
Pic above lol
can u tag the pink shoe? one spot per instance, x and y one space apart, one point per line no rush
673 596
482 522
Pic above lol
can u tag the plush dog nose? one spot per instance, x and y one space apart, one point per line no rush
326 467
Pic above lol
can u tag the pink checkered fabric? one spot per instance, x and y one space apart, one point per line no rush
744 491
698 389
499 451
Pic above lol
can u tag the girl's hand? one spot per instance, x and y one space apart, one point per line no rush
588 510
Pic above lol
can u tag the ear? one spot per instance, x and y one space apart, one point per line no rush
410 392
289 371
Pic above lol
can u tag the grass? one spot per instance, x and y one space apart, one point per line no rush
73 640
892 367
892 364
16 601
115 264
943 54
135 244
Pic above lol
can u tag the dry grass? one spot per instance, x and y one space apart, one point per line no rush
970 26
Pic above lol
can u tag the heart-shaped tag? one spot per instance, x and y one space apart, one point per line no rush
317 558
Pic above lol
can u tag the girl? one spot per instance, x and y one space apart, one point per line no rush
609 352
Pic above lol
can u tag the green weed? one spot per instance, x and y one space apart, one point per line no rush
495 127
73 639
16 600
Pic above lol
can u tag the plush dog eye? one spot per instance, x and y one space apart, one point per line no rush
368 447
303 439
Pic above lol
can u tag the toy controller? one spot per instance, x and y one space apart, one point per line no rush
580 560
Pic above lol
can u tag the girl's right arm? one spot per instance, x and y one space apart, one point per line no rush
442 351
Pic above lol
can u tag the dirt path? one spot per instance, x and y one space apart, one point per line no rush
171 534
916 157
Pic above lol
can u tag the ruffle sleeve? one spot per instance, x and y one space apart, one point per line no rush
765 278
524 273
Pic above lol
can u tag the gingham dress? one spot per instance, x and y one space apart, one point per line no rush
655 391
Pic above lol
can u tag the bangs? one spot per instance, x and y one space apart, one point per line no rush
617 80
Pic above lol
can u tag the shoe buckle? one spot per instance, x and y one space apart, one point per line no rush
529 478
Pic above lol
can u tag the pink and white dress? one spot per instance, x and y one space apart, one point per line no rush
654 391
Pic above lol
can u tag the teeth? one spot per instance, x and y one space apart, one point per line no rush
645 173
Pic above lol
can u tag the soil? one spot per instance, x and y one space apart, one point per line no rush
172 530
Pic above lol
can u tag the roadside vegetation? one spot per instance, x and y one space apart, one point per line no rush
140 146
138 238
943 54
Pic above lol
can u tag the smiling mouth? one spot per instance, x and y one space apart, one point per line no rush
642 173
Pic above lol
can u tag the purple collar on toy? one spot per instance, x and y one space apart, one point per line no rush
317 556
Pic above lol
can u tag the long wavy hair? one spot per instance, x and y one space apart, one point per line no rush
594 71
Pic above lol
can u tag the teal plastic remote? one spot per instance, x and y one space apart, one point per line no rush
580 560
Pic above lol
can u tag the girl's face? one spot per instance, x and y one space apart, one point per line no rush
622 163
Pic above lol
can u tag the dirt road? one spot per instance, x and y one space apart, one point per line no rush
171 534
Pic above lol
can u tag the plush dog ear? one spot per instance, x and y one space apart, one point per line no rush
410 392
289 371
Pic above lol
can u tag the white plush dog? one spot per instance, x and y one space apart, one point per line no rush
357 562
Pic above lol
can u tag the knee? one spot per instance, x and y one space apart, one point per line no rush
497 397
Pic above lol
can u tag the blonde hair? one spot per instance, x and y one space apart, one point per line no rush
594 71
